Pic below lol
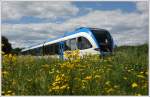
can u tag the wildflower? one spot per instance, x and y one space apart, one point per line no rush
107 83
116 86
81 70
64 87
13 82
110 90
45 66
8 95
125 78
140 76
88 78
134 85
51 72
56 88
84 82
57 71
97 76
129 70
10 55
72 54
58 78
29 80
9 91
132 69
138 94
13 93
83 87
55 83
14 59
141 72
109 59
5 73
70 66
50 90
76 78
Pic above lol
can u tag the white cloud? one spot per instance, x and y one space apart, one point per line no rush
126 28
49 10
142 6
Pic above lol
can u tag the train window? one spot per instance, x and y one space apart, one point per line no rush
73 44
40 50
48 50
56 48
70 44
51 49
67 45
83 43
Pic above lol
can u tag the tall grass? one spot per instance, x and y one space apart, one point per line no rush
123 73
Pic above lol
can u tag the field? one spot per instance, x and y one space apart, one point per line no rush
125 72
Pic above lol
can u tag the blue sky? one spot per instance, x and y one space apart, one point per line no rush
38 21
124 6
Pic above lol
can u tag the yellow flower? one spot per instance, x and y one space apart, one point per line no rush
29 80
116 86
14 82
141 72
14 58
110 90
83 87
132 69
56 88
134 85
97 76
109 59
10 55
138 94
9 91
88 78
107 83
140 76
13 93
125 78
58 78
5 73
50 90
8 95
72 54
84 82
64 86
129 70
45 66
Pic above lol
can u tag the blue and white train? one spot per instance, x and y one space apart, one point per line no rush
87 40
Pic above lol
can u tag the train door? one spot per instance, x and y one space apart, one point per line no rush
61 50
84 45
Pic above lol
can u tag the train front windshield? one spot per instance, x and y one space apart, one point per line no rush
103 39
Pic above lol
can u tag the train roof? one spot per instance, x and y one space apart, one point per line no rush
78 30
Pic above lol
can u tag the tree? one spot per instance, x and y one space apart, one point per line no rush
6 46
16 50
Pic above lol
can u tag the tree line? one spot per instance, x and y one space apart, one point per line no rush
7 47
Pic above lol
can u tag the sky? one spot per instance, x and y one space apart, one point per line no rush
27 23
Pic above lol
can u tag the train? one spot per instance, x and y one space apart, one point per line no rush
87 40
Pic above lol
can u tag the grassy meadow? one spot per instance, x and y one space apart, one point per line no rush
125 72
